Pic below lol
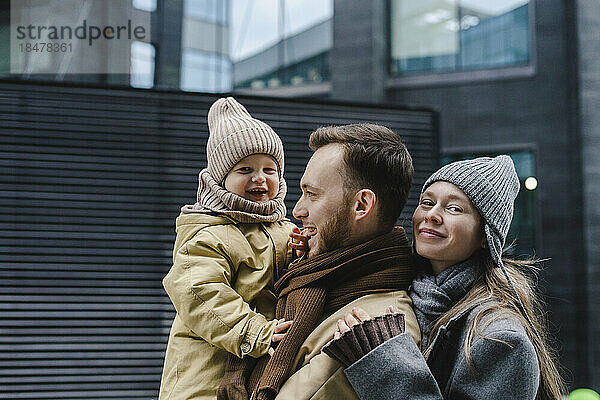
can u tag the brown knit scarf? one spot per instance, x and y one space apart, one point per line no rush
313 289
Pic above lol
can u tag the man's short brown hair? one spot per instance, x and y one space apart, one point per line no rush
375 159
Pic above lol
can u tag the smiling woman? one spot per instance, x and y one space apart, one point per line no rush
482 323
444 224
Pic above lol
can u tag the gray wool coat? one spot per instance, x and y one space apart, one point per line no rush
504 364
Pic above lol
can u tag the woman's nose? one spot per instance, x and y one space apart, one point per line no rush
433 215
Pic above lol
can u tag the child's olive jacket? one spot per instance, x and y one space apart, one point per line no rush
221 284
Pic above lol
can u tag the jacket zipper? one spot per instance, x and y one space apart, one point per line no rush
275 267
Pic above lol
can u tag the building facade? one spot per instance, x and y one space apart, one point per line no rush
188 48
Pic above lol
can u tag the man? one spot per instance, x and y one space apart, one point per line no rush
353 190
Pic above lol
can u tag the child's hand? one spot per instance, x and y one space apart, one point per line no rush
299 241
282 326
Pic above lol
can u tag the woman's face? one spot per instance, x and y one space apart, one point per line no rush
446 226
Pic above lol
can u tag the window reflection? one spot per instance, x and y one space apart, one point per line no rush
299 60
207 10
450 35
146 5
282 47
202 71
143 58
205 58
205 44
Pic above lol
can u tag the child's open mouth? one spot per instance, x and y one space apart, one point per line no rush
258 193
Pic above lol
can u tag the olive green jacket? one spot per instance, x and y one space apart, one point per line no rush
221 284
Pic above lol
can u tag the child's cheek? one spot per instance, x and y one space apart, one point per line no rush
273 188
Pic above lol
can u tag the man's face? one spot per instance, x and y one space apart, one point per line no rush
323 208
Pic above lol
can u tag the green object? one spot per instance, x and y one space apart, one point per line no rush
584 394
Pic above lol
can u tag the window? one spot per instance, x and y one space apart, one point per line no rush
146 5
456 35
312 70
522 228
205 72
283 44
142 65
207 10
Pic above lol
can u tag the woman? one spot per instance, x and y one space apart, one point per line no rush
483 337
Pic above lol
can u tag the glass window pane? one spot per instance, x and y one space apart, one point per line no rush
279 44
452 35
207 10
205 72
425 34
142 65
146 5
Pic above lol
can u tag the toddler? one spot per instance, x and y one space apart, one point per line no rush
229 248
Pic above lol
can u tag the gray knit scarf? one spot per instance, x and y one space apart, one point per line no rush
214 198
433 295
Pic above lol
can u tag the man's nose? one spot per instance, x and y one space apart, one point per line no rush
299 210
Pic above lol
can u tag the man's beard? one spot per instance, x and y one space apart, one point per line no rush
335 233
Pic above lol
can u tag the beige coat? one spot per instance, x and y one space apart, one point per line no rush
221 284
317 375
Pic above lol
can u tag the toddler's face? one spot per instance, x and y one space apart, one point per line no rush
254 178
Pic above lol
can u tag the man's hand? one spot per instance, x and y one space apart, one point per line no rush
299 241
280 331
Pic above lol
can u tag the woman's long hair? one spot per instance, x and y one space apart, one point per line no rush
492 285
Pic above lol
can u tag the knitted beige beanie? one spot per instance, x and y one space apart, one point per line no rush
233 135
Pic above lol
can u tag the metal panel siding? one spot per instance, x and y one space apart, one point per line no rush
92 181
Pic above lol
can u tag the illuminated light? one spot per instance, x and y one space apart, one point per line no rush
584 394
531 183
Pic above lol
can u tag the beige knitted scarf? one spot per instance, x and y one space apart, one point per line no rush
312 289
214 198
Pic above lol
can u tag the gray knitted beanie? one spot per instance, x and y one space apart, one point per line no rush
492 185
234 134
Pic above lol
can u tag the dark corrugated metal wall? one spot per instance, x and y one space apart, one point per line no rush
92 180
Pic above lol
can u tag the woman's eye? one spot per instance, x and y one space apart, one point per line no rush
454 209
245 169
426 202
270 170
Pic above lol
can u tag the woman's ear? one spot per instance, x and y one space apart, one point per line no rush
484 244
